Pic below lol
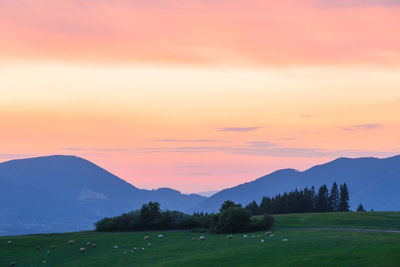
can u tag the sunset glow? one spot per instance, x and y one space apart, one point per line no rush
200 95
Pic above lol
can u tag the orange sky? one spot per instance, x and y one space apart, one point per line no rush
199 95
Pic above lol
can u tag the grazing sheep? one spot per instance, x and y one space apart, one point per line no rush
9 242
115 246
160 236
134 248
146 237
71 241
88 243
262 240
94 245
193 239
82 249
38 248
272 235
245 236
13 263
52 247
268 233
44 261
285 240
201 237
253 236
143 249
149 244
228 236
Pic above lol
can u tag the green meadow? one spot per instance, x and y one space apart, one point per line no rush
302 248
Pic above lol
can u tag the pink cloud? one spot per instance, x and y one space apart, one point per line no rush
200 32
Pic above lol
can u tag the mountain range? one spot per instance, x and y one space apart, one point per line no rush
68 193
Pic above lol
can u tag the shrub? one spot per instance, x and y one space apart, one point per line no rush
233 220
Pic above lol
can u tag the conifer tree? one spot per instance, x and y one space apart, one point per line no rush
360 208
322 204
344 198
334 198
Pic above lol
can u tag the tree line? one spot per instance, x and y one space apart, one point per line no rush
306 200
231 218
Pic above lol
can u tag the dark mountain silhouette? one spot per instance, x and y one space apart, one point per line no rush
373 182
68 193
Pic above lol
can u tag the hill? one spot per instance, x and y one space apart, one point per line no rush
303 248
68 193
373 182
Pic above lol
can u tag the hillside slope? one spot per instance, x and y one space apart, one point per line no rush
373 182
67 193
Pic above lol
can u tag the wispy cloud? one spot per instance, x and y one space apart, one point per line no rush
368 126
238 129
270 151
358 3
260 144
16 155
188 140
94 149
287 138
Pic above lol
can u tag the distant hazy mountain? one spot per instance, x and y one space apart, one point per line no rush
67 193
208 193
373 182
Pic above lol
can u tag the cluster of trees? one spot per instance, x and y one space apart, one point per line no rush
306 200
232 218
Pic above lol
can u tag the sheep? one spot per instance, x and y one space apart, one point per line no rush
201 237
160 236
228 236
149 244
82 249
272 235
71 241
268 233
38 248
13 263
245 236
115 246
9 242
143 249
193 239
146 237
44 262
284 240
135 249
94 245
262 240
52 247
88 243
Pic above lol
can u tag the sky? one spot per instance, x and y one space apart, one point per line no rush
199 95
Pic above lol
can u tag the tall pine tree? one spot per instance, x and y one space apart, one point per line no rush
322 203
344 198
334 198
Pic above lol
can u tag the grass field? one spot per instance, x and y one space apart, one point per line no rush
303 248
366 220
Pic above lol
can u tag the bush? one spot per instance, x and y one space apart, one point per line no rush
233 220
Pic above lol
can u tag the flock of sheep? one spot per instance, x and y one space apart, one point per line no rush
89 244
